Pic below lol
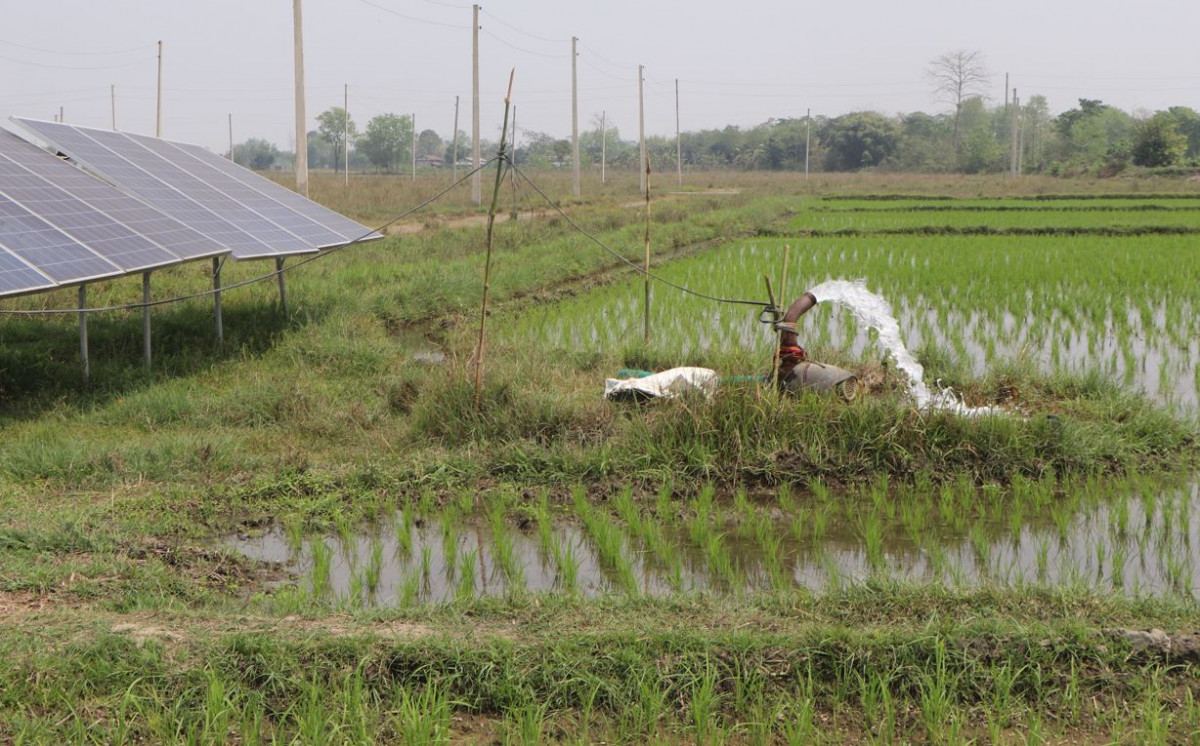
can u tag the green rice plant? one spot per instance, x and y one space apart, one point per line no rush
322 564
404 534
567 562
870 530
410 590
464 589
374 566
504 552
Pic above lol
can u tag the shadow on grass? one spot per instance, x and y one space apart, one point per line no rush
40 366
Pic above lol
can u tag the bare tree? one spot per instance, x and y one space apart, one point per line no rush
955 76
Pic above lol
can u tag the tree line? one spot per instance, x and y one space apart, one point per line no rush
972 136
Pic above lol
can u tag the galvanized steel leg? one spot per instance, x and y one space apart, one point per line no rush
282 285
217 300
146 318
83 342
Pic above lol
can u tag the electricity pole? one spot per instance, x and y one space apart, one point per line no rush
301 132
112 92
574 119
807 139
454 146
642 135
158 105
346 133
476 183
678 142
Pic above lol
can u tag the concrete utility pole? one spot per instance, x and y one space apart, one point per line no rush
603 148
1012 140
574 119
1005 93
346 133
678 142
413 147
112 93
454 145
807 139
476 183
642 135
158 105
301 131
231 139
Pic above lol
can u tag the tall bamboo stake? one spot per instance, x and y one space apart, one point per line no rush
487 266
646 276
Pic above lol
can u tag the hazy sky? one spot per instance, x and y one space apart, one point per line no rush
737 63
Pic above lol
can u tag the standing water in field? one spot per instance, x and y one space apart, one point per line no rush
875 312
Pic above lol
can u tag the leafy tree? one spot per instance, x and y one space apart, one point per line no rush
1187 122
332 126
863 139
956 76
1157 142
1094 135
386 141
429 143
255 153
923 140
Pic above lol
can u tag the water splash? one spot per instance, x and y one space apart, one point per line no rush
874 311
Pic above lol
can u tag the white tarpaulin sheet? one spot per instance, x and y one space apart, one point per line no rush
665 385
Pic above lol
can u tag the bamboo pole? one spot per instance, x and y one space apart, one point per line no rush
646 275
487 266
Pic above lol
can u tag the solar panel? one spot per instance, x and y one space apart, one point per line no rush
55 254
313 233
17 277
100 233
343 226
172 235
134 178
277 238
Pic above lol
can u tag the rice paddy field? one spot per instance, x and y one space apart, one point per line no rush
321 533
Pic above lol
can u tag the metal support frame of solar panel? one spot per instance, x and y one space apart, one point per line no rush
161 173
129 234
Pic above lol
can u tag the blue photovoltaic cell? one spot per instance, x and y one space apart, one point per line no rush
100 233
313 233
17 277
343 226
279 241
139 217
133 179
55 254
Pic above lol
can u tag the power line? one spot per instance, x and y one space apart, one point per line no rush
502 22
414 19
77 67
522 49
75 51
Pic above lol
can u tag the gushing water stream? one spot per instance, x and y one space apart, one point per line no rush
874 311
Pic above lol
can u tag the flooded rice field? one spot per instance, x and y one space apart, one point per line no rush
1126 307
1136 539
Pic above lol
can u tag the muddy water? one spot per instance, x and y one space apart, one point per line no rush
1134 542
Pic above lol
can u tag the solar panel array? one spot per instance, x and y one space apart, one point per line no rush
163 203
251 215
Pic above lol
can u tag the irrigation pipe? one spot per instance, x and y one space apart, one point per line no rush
251 281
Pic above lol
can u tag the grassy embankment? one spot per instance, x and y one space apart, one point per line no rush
117 628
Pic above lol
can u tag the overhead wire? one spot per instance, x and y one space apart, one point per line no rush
114 52
642 270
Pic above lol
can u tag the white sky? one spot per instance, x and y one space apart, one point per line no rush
737 63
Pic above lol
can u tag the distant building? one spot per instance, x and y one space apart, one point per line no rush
432 161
